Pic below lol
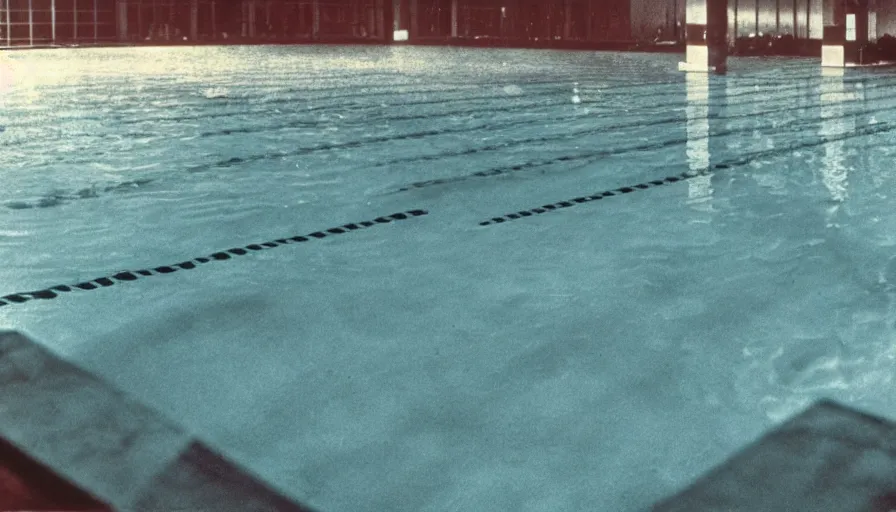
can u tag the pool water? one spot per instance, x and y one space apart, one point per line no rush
615 275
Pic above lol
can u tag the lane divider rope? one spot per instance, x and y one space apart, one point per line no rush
735 162
595 197
132 275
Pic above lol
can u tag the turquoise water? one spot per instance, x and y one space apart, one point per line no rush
515 344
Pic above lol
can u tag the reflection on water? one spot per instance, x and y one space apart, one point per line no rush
697 146
840 103
834 170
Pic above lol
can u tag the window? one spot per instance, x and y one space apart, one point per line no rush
850 27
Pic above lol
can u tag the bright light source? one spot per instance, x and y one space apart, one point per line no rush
400 35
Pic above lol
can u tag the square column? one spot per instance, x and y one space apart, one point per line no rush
454 18
848 28
252 20
833 42
381 21
414 13
861 29
567 19
8 23
707 36
315 19
194 20
267 16
589 21
122 6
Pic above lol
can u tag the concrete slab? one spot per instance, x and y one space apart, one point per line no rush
829 457
109 445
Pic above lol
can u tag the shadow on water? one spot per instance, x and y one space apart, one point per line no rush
58 197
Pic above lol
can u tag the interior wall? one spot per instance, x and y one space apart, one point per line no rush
649 15
886 17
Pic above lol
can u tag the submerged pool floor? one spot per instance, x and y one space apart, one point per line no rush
455 279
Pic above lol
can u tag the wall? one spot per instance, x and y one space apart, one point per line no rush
886 17
649 15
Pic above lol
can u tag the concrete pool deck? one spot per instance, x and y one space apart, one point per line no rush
829 457
117 451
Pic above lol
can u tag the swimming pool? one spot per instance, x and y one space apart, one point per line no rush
584 278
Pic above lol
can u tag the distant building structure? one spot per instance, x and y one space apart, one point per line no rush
47 22
540 23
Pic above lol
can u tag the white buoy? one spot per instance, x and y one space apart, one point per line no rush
575 94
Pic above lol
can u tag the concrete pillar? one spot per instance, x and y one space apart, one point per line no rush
53 20
194 20
567 19
381 20
122 6
413 14
454 18
735 11
75 20
809 19
589 22
502 21
267 14
860 13
396 15
873 7
756 8
833 43
253 22
405 15
8 26
315 19
96 21
510 20
707 36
